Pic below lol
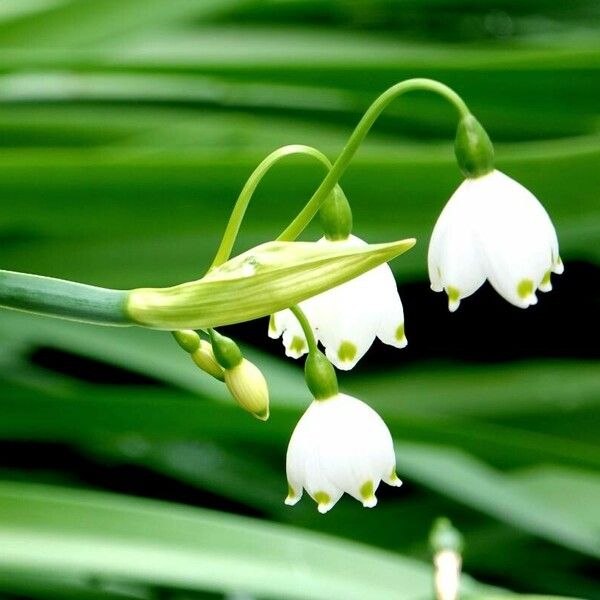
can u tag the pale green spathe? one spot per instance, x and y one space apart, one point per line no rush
259 282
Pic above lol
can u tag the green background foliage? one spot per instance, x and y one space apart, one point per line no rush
127 128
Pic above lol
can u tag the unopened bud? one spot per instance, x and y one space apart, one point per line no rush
187 339
446 543
248 386
447 565
226 351
204 357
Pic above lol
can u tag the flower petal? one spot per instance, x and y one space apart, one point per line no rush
303 462
454 262
275 325
344 318
361 452
516 237
391 313
294 340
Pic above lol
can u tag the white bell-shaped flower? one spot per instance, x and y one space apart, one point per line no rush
339 445
493 228
346 319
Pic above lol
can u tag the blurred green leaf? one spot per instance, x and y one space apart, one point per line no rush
126 132
465 479
128 539
573 491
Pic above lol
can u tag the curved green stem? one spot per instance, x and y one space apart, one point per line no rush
63 299
296 227
237 214
319 373
306 328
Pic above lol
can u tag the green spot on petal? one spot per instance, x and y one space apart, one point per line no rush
346 351
453 294
546 279
393 475
291 493
297 344
272 326
525 288
400 332
366 490
322 498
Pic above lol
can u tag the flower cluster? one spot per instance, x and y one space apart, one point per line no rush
339 292
491 228
342 294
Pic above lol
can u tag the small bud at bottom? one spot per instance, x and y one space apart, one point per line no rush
248 386
205 359
447 564
187 339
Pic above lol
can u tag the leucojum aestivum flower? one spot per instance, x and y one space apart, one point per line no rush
338 291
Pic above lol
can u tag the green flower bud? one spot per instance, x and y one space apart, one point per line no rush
255 284
249 388
335 215
188 339
444 536
473 148
204 357
226 351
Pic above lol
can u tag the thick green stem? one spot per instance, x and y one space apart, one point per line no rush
63 299
358 135
237 214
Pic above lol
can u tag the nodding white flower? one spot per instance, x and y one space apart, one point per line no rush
346 319
493 228
339 445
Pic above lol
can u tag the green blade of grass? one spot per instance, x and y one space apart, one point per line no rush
135 540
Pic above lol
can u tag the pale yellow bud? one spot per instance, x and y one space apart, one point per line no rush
204 357
248 386
447 565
